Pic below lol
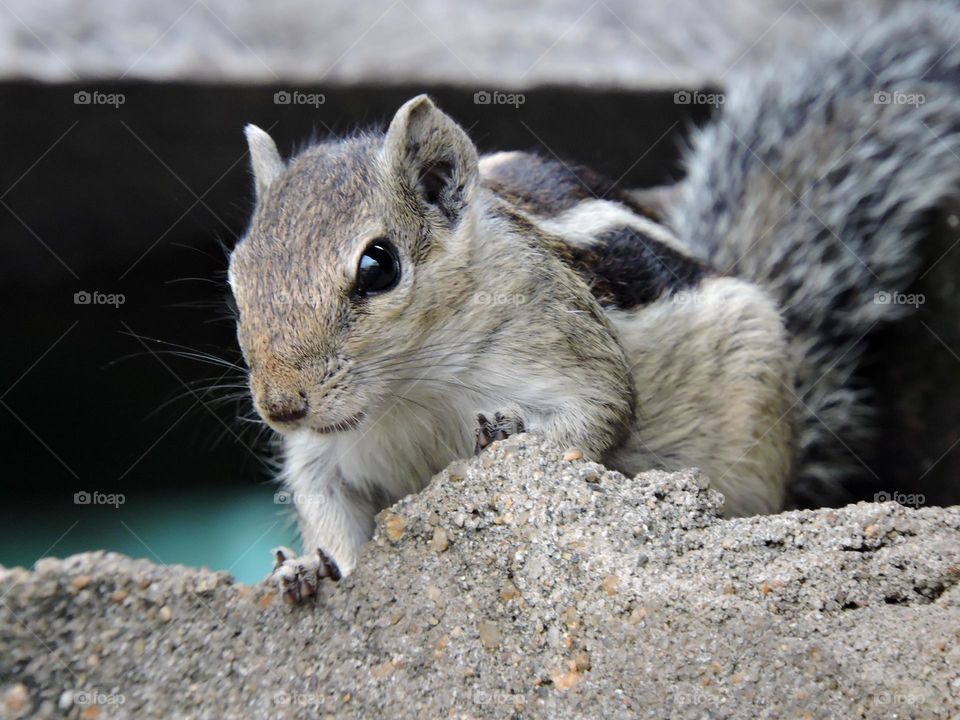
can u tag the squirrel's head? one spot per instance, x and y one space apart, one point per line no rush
354 252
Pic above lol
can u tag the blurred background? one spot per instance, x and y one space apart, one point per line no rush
125 181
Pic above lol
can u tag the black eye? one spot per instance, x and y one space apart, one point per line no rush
379 269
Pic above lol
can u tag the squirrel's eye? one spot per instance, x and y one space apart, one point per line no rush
379 269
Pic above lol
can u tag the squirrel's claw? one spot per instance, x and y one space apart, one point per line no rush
500 428
297 578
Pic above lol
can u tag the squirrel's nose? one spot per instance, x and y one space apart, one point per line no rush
286 410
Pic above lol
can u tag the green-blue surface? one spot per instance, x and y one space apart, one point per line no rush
216 528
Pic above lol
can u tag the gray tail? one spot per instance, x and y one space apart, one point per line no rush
814 181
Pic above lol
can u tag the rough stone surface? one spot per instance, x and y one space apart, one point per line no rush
523 584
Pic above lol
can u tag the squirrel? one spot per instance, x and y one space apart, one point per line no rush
404 301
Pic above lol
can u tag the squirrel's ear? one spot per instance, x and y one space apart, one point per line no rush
265 160
433 155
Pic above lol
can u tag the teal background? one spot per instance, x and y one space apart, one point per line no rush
218 528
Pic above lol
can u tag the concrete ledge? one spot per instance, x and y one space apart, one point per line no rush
510 45
520 582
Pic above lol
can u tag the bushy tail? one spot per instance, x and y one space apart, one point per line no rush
813 182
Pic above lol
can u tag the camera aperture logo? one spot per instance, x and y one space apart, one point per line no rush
85 497
83 297
95 97
296 97
496 97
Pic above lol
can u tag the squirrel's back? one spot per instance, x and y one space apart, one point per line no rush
814 181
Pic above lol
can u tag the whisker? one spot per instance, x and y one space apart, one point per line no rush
201 251
209 281
190 355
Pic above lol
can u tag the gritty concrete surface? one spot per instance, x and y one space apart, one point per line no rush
492 43
526 583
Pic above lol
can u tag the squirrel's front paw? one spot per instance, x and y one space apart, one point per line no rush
500 428
297 578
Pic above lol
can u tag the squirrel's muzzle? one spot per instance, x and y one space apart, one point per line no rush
280 413
278 403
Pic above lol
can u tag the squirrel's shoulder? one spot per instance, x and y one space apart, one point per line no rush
614 239
547 187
